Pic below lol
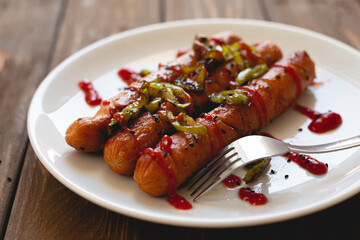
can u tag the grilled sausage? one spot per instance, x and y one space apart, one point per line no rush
119 151
160 170
89 134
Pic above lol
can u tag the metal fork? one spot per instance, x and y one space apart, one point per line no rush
249 149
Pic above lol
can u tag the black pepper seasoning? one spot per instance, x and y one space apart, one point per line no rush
191 145
223 131
286 176
186 148
9 179
132 132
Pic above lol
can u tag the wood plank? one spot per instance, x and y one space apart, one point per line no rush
176 10
26 37
44 208
337 19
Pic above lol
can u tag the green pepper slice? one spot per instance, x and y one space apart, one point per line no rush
251 73
256 170
172 93
230 97
192 68
153 105
112 127
133 110
186 124
214 54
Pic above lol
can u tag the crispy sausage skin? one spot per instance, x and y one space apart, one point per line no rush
119 151
89 134
278 89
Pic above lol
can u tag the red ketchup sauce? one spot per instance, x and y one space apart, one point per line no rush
128 76
305 161
174 199
258 102
321 122
252 197
91 95
217 131
181 52
253 55
294 75
310 164
232 181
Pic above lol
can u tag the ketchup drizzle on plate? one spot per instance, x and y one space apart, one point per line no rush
128 76
252 197
174 199
181 52
321 122
232 181
91 95
308 163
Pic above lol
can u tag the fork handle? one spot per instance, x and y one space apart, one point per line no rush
328 147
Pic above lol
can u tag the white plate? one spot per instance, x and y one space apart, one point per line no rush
58 102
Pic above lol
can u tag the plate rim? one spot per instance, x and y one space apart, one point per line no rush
147 216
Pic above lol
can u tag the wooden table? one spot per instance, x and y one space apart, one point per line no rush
36 35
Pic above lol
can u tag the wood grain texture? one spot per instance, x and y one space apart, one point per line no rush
336 18
23 63
43 208
176 10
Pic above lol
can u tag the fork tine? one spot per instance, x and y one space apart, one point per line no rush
213 173
200 174
217 179
210 167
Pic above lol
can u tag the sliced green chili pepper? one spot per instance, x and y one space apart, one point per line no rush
201 77
112 127
133 110
253 49
172 93
192 68
214 54
186 124
153 105
144 72
256 170
251 73
229 97
226 53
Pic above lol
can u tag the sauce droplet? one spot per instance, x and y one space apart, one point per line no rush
310 164
128 76
321 122
179 202
181 52
232 181
252 197
91 95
